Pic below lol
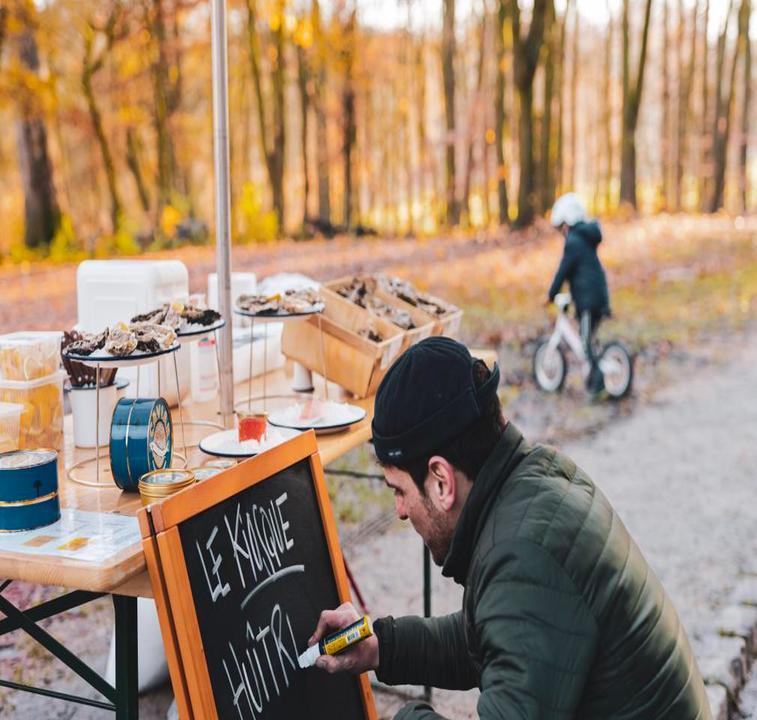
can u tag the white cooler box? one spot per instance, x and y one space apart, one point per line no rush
109 291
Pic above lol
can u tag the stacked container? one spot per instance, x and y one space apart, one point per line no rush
30 377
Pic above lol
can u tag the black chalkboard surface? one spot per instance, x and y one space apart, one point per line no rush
244 581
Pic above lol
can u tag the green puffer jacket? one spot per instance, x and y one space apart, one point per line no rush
562 617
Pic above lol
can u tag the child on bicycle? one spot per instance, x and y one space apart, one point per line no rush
581 267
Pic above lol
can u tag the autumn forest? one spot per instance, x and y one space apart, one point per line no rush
474 116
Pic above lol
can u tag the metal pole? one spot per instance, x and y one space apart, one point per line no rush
223 215
426 600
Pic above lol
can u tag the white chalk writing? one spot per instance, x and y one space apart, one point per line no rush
260 670
216 586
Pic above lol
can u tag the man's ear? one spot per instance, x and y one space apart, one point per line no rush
441 482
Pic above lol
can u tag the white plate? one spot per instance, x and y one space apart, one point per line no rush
194 331
137 358
226 443
334 416
316 309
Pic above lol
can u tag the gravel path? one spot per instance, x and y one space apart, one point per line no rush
681 473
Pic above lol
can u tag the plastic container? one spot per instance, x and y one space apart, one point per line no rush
29 355
41 422
10 420
204 369
109 291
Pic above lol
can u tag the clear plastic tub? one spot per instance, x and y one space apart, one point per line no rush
29 355
10 421
41 421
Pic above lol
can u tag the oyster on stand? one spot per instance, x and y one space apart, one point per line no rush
292 302
121 341
178 314
88 343
152 338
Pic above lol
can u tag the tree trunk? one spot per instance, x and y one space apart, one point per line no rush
474 128
321 123
448 75
500 117
722 117
526 58
665 129
42 215
420 76
273 134
548 141
705 154
303 78
560 75
348 117
632 92
164 105
608 115
574 65
686 72
408 60
90 68
746 99
132 160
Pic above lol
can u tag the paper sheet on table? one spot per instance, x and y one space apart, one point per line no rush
80 535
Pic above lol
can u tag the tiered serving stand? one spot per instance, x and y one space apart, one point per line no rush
267 318
98 361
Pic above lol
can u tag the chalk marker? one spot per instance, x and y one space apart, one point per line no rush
337 642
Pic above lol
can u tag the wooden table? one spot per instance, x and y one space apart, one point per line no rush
124 574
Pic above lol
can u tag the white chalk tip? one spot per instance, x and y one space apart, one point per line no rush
308 658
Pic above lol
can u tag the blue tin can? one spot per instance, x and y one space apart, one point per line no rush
141 440
28 489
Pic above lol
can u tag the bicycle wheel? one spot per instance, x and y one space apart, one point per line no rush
549 367
616 365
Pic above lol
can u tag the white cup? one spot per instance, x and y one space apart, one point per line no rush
84 409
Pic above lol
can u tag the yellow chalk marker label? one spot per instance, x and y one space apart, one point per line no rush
337 642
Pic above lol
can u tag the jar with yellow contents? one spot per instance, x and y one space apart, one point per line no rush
41 420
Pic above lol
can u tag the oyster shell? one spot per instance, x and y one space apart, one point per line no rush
371 333
424 301
88 343
291 302
121 341
151 338
197 315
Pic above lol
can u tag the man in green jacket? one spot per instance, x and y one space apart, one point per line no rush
562 616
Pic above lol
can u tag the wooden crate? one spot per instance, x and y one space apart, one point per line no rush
424 323
352 361
447 324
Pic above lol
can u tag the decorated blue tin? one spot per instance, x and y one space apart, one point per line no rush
28 489
141 440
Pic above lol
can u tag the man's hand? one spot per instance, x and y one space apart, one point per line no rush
359 658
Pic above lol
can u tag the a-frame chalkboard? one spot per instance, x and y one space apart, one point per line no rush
241 566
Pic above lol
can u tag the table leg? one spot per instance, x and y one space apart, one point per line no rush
426 599
127 695
181 412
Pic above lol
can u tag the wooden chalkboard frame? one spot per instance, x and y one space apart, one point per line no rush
170 580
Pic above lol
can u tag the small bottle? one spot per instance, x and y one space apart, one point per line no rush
204 369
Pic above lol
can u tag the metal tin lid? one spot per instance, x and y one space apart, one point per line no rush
222 463
167 477
20 459
203 473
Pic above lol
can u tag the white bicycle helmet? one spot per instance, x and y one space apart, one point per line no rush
568 209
